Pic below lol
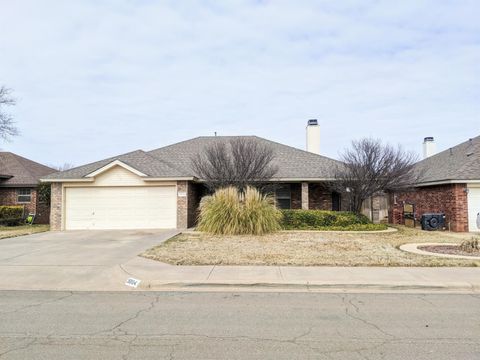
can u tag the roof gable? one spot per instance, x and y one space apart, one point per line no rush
115 163
459 163
139 162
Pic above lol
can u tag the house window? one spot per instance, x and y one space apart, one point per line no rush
283 197
24 195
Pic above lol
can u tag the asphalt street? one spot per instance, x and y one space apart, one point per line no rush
238 325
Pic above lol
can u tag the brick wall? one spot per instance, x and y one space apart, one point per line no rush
320 197
56 207
43 213
296 196
187 206
182 204
8 197
450 199
195 194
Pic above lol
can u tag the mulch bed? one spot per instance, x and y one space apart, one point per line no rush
448 249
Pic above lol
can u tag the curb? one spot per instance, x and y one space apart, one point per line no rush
387 231
297 287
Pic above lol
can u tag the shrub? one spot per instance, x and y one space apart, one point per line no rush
231 212
44 193
327 220
11 215
472 245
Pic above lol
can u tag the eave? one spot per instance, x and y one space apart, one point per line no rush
446 182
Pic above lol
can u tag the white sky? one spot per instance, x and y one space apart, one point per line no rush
99 78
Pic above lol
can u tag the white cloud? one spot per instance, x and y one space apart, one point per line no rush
97 78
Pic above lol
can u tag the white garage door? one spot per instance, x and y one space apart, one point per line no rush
473 208
132 207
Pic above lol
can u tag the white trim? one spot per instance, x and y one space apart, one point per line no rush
169 179
148 179
287 180
115 163
443 182
67 180
300 179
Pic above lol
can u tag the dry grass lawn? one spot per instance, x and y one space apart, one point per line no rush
12 231
305 249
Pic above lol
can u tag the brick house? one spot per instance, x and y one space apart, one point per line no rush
160 189
449 182
19 178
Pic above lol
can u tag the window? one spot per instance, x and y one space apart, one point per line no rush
283 197
24 195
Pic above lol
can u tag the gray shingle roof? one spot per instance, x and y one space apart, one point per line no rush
19 171
461 162
175 161
292 163
139 160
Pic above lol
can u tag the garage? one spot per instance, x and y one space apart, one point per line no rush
121 207
473 209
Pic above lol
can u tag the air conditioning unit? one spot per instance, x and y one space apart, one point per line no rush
433 221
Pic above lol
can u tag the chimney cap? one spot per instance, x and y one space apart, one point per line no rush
312 122
428 138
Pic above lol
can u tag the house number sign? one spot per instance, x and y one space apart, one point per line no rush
132 282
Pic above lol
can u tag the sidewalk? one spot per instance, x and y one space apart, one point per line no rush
158 276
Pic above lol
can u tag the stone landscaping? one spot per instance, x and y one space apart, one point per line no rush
449 249
442 250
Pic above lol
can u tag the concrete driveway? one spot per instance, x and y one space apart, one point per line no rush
74 259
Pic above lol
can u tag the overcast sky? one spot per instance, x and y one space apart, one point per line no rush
99 78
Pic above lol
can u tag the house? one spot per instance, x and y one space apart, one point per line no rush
160 189
449 182
19 178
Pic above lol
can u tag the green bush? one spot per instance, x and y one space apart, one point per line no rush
11 215
327 220
231 212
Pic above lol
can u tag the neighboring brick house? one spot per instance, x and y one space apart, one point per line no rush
160 189
449 182
19 178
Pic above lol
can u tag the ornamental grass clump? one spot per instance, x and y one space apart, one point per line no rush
232 212
472 245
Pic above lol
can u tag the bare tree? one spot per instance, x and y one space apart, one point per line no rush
7 125
238 162
44 189
370 167
63 167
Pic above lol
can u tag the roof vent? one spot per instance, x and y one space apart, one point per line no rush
470 144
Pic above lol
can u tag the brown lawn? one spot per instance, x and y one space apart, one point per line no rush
305 249
12 231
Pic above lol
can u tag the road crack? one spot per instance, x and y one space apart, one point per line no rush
348 313
70 294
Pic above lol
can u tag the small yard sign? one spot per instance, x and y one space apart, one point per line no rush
132 282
